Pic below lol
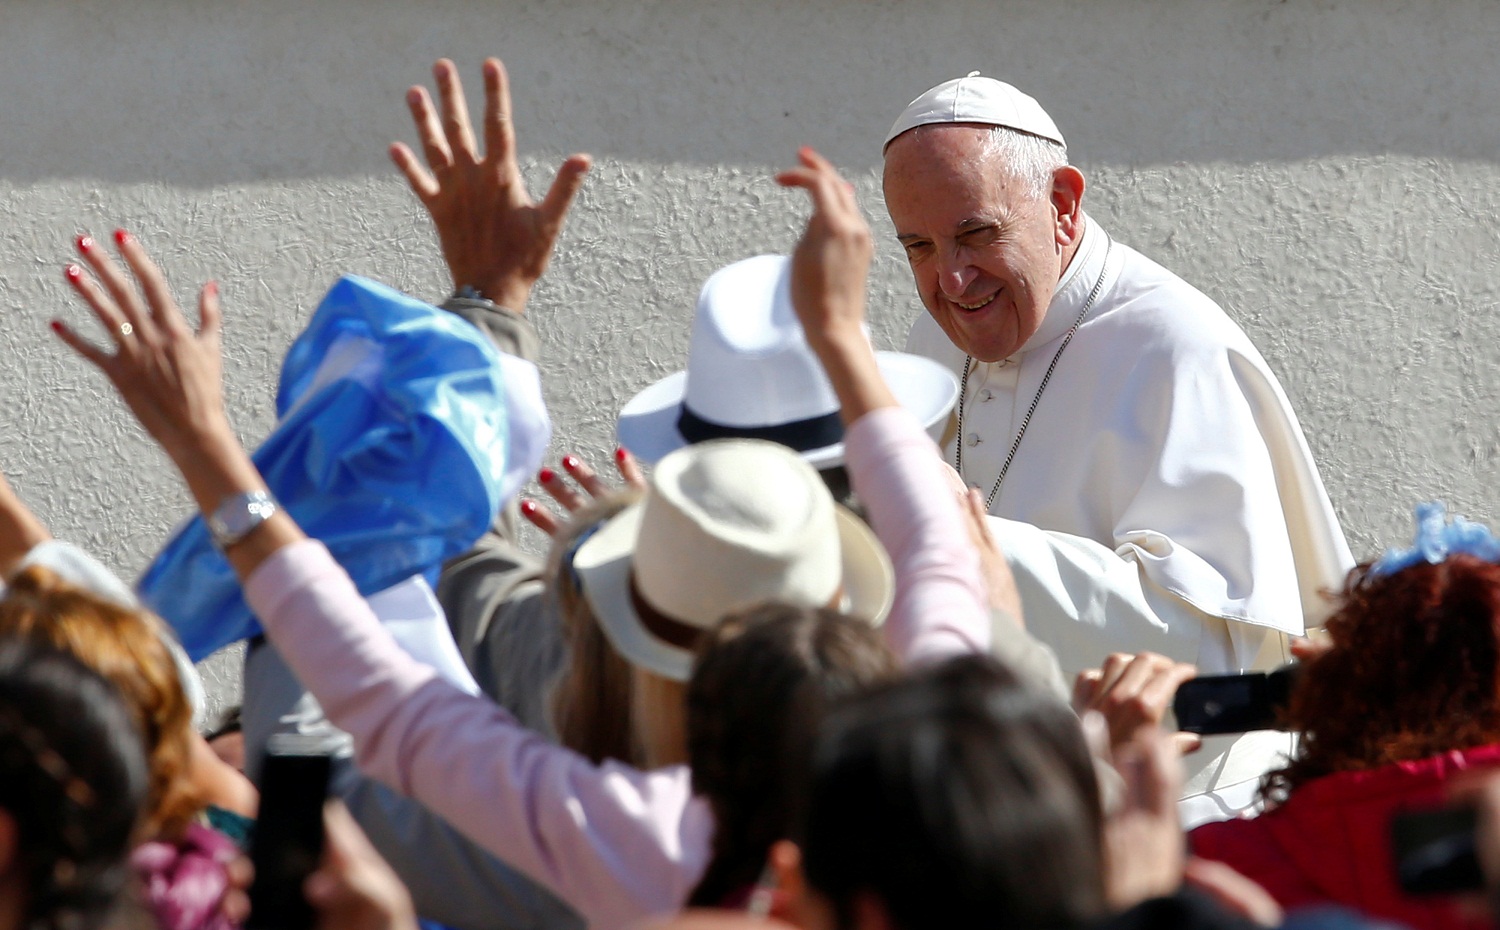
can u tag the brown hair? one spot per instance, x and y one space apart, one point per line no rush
126 648
759 687
1411 672
591 698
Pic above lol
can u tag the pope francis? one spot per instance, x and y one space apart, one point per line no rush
1144 471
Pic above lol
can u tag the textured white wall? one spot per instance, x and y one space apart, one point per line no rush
1327 170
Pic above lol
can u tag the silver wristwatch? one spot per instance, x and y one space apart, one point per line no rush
238 515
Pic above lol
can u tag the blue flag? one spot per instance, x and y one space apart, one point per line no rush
401 431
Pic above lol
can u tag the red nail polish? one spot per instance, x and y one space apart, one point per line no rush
620 455
56 325
121 237
528 507
546 475
73 273
85 243
570 463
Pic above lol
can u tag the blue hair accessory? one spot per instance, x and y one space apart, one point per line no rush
1436 539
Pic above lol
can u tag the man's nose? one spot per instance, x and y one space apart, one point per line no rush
955 274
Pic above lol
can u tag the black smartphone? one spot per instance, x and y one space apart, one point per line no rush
1434 850
288 841
1234 703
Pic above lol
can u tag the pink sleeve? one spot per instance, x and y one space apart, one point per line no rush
615 843
941 606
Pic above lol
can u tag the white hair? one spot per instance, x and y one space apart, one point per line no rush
1032 159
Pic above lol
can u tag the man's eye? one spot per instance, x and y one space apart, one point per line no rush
915 249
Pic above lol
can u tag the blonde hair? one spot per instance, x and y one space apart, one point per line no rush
592 697
127 648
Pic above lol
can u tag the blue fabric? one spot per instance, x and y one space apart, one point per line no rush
390 448
1437 538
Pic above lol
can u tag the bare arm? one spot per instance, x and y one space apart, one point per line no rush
169 375
20 529
829 269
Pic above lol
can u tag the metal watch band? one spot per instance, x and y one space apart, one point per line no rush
238 515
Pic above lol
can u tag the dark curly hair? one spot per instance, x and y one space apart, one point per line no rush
756 697
73 778
1411 672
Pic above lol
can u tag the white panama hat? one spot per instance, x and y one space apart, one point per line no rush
977 99
725 524
752 375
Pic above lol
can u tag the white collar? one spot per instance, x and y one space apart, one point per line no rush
1072 289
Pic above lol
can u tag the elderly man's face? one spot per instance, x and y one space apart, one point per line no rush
986 252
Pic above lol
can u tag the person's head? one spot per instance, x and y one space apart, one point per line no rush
725 525
752 375
1410 670
983 200
763 677
72 785
956 797
127 648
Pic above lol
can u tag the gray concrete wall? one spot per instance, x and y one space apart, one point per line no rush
1327 170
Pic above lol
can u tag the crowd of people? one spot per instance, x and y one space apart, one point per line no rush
856 640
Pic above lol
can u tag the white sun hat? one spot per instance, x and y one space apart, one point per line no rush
724 525
977 99
752 375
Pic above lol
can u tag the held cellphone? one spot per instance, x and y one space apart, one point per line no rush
1216 704
288 841
1434 850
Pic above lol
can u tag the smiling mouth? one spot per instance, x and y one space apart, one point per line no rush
971 308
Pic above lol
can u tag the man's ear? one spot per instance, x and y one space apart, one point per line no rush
1067 203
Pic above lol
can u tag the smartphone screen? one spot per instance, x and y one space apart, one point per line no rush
1234 703
1434 850
288 841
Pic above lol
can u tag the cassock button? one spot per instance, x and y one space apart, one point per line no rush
986 395
974 439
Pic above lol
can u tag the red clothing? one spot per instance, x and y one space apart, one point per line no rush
1330 841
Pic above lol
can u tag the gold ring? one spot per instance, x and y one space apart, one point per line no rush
126 329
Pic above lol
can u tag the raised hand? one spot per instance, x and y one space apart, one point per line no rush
829 267
570 500
167 372
832 260
493 237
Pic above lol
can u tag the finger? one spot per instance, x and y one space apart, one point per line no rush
1187 743
429 130
1114 666
499 132
630 469
418 178
210 318
559 490
77 343
1159 691
456 127
164 312
105 310
564 188
540 517
126 301
1085 688
586 477
1137 675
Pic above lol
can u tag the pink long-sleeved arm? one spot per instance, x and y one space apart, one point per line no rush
615 843
940 608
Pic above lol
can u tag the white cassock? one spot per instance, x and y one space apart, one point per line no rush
1163 497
